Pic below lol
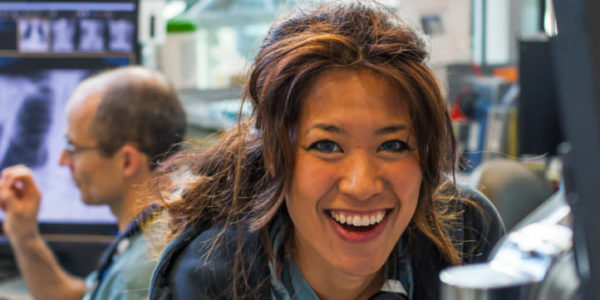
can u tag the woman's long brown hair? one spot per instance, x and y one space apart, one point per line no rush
241 181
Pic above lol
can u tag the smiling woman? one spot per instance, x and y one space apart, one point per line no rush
355 164
356 180
338 187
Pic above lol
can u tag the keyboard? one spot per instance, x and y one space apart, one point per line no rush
8 269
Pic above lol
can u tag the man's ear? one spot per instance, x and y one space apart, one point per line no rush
134 160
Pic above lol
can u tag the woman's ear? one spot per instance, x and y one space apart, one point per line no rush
134 160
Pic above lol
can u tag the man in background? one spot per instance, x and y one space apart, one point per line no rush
121 123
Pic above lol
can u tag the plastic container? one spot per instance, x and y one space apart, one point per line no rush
177 57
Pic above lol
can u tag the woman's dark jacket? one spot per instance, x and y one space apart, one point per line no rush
184 273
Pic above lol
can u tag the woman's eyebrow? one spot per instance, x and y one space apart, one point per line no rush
391 129
326 127
335 129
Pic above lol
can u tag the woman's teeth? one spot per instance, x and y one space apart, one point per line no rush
358 220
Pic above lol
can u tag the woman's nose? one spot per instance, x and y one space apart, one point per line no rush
360 179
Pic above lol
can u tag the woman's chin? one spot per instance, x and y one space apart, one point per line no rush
358 266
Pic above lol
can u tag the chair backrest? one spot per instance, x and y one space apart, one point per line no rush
514 189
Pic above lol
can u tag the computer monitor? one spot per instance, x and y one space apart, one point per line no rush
539 135
46 49
576 54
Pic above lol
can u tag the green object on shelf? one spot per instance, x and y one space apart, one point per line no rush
180 26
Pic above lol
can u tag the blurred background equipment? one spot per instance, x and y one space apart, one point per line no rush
46 49
553 252
535 261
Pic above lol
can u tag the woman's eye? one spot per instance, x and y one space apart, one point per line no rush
326 146
394 146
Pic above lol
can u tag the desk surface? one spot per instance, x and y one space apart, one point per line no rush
14 289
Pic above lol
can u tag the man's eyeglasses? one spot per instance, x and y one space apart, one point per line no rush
72 148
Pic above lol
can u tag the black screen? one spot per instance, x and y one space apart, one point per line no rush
539 124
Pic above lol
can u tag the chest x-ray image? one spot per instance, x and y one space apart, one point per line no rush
27 143
91 35
34 35
121 35
63 35
33 124
32 113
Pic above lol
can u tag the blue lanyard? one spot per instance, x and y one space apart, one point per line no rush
107 258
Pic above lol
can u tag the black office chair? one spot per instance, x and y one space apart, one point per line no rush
514 189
